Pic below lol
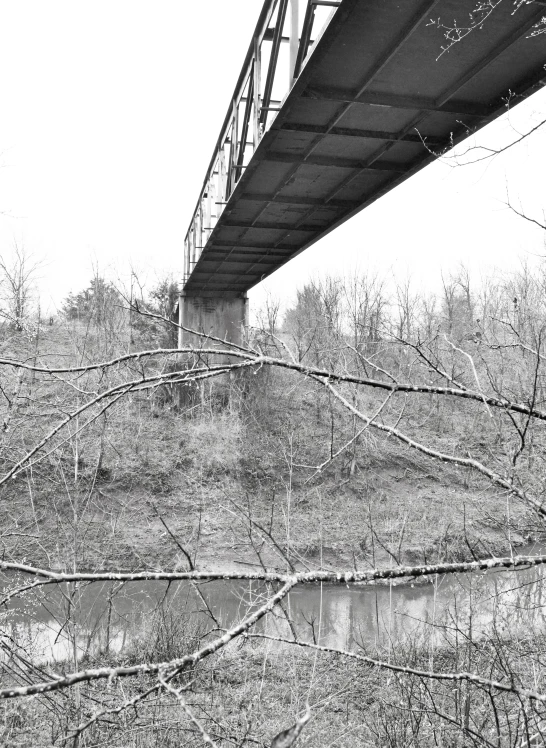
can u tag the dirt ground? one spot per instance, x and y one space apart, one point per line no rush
391 511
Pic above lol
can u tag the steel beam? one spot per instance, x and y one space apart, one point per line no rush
351 132
333 161
260 197
418 104
418 18
270 226
219 244
233 256
237 265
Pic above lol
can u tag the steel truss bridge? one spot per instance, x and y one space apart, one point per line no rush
339 101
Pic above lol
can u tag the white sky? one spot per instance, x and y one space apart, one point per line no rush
110 112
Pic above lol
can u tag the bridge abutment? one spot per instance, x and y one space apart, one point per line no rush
225 318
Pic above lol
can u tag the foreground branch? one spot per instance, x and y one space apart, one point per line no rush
303 577
173 666
467 462
524 693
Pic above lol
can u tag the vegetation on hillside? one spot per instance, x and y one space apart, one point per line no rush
371 437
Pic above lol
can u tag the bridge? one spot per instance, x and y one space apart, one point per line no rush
337 102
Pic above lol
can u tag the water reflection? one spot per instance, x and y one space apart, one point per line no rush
117 617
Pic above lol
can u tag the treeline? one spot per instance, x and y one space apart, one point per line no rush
363 311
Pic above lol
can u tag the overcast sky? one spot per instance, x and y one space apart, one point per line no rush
110 112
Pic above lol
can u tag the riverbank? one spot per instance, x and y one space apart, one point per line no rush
263 469
201 489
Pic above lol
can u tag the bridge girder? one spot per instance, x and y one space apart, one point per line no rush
368 105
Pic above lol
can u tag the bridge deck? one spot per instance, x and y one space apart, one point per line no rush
352 127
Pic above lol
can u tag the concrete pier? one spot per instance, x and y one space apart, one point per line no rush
225 318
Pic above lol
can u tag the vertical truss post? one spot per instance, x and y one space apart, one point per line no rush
210 204
257 84
272 68
193 244
294 39
222 180
199 231
233 148
305 36
206 213
204 222
246 122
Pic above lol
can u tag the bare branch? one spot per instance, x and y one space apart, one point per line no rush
173 666
427 674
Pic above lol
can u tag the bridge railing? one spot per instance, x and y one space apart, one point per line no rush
281 44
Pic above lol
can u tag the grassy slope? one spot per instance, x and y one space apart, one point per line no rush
191 465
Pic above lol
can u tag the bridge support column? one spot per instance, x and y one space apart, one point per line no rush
225 318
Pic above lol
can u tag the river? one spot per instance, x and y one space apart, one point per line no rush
118 617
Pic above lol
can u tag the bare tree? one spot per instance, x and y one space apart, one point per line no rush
18 275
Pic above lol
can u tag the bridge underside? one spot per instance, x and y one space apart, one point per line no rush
355 122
